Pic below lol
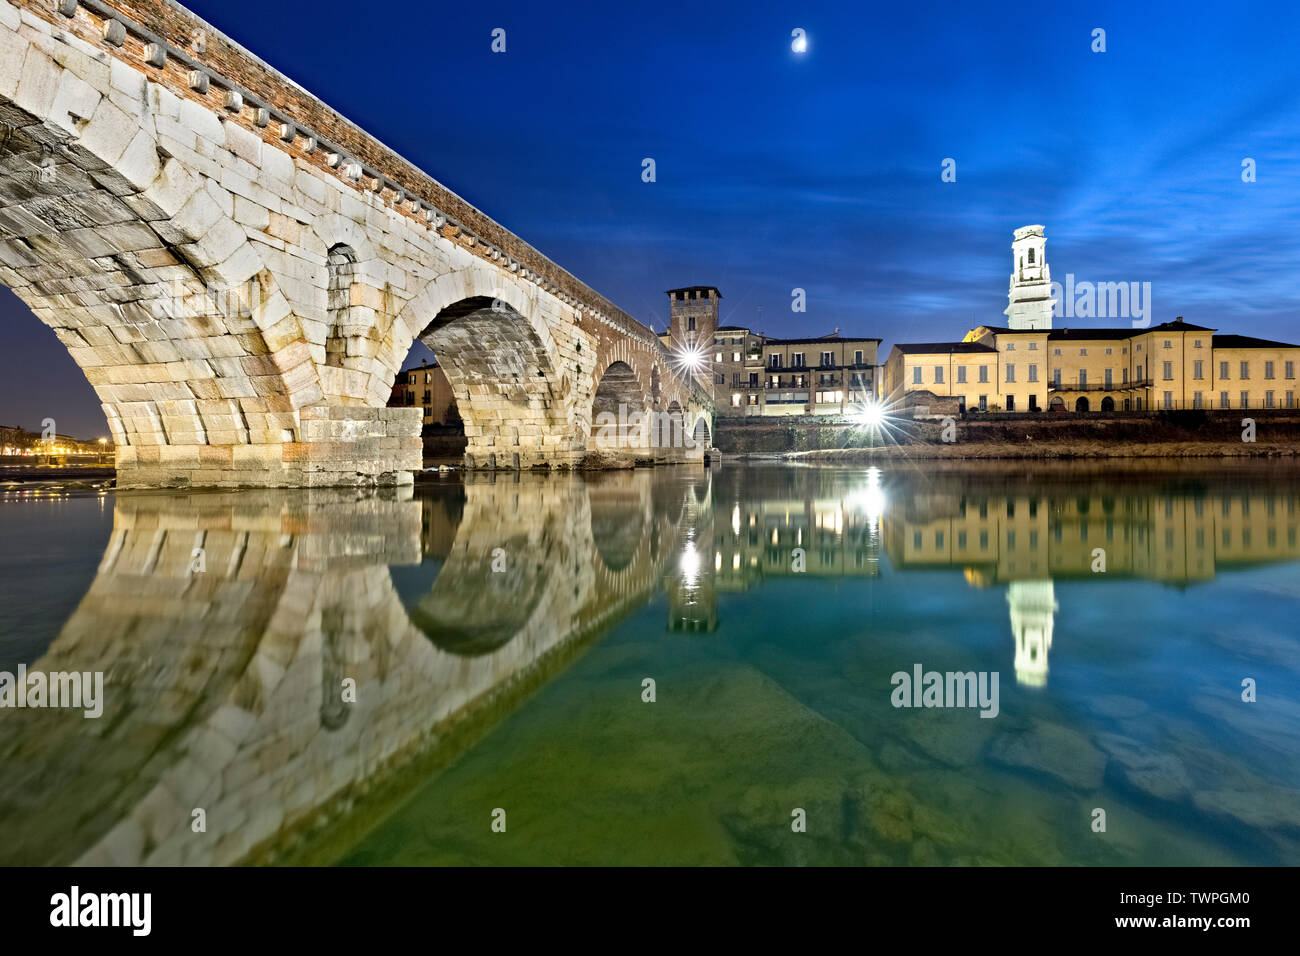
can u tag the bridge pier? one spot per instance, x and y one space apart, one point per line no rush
330 447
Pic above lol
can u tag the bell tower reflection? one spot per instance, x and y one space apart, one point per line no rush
1033 615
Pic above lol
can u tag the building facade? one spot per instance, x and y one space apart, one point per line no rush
1031 366
427 387
754 375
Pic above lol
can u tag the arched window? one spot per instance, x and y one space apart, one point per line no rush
341 263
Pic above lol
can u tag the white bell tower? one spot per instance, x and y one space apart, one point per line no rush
1030 299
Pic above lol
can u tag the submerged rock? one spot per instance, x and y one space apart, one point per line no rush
1254 808
1156 774
1054 750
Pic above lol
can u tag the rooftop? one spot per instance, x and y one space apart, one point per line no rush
1248 342
938 348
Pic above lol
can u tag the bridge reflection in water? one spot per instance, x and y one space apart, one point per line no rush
224 683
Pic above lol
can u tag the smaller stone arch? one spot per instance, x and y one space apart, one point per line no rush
618 409
341 266
702 433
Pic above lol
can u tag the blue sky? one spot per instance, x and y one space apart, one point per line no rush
777 171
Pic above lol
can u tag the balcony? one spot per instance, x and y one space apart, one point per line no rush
1099 386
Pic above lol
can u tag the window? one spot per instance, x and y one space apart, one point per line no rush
1031 255
753 399
1196 344
1033 346
1169 371
1198 369
828 358
1011 373
690 324
1124 350
774 361
753 378
1289 369
1108 382
735 399
1268 399
984 403
1169 399
717 357
719 379
984 373
961 374
938 375
1139 375
857 357
1056 351
1083 378
1268 369
1245 371
1168 344
1011 346
735 356
1123 375
796 360
1109 351
735 380
1056 377
1196 400
1224 402
1290 399
916 375
1245 399
1083 351
1033 373
1223 370
1011 403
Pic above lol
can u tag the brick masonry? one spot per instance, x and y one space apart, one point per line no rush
241 272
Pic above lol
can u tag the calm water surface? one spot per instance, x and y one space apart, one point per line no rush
499 635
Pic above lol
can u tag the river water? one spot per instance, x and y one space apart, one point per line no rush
672 666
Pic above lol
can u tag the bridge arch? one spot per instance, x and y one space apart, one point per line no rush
618 410
137 265
702 432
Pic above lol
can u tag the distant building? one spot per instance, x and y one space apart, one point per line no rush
753 375
1031 366
15 440
428 388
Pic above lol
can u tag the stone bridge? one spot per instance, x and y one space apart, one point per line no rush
241 272
223 686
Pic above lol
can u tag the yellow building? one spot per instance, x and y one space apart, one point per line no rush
427 387
1030 365
1174 365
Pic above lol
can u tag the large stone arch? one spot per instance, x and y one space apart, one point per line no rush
139 269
